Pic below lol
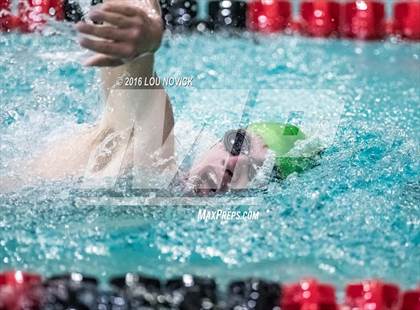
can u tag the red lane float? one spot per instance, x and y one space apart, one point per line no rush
307 295
319 18
372 295
7 20
20 290
57 9
30 14
411 300
407 19
268 16
363 19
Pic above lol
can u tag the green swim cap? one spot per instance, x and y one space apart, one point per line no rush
281 138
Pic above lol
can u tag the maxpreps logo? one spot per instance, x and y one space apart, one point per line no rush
207 114
227 215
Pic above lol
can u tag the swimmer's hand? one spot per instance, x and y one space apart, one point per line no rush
128 30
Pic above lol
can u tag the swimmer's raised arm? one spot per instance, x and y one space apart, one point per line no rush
130 31
124 40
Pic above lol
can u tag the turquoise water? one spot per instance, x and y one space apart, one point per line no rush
357 215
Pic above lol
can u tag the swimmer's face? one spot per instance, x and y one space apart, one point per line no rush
223 168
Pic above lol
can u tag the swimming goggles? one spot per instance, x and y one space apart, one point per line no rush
237 142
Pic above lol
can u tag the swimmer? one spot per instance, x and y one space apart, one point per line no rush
124 38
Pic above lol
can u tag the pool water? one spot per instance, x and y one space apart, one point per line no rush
356 215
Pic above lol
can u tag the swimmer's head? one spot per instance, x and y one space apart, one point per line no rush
235 160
